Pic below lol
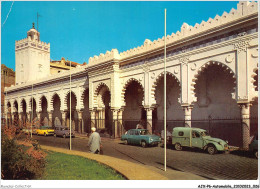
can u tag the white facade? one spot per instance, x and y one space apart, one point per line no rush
212 71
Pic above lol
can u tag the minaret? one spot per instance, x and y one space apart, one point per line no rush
32 58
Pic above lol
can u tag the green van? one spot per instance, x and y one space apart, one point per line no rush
198 138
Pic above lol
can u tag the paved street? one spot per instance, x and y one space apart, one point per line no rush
219 166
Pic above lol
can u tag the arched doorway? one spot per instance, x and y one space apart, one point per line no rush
103 113
44 112
174 112
215 109
133 111
254 107
74 115
24 115
57 116
16 116
86 119
33 116
9 115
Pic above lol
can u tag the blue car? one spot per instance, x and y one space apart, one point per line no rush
140 137
253 146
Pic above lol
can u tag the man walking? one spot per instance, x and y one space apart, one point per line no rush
94 141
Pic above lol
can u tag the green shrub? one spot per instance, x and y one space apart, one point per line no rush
19 162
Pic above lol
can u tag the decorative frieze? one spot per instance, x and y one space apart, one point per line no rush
197 45
241 46
146 68
184 60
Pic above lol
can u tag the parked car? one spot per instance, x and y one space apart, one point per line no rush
28 130
63 131
140 137
197 138
45 130
253 146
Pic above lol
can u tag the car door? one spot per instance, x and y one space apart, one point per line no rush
196 140
137 137
40 131
130 137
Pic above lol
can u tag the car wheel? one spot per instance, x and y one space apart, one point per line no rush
211 149
64 136
55 135
125 142
143 144
45 134
178 146
256 154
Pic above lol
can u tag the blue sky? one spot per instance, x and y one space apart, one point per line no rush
79 30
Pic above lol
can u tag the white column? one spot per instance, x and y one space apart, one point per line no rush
245 113
187 115
93 118
114 129
80 121
149 119
120 122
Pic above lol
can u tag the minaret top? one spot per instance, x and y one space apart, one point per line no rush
33 33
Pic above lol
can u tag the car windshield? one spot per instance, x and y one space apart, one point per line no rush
204 133
45 128
65 129
144 132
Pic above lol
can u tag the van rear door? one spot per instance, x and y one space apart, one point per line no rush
182 137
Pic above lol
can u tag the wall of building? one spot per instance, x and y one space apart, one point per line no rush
213 76
7 79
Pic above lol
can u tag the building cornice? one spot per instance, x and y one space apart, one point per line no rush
244 11
76 72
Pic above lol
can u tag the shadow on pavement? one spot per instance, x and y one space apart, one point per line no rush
243 153
187 149
169 167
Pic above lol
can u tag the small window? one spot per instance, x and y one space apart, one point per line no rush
195 134
137 132
131 132
181 133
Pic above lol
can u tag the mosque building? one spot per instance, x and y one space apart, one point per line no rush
212 74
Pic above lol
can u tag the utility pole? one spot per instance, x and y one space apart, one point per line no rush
70 105
165 118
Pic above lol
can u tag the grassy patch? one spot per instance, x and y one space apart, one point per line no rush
70 167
